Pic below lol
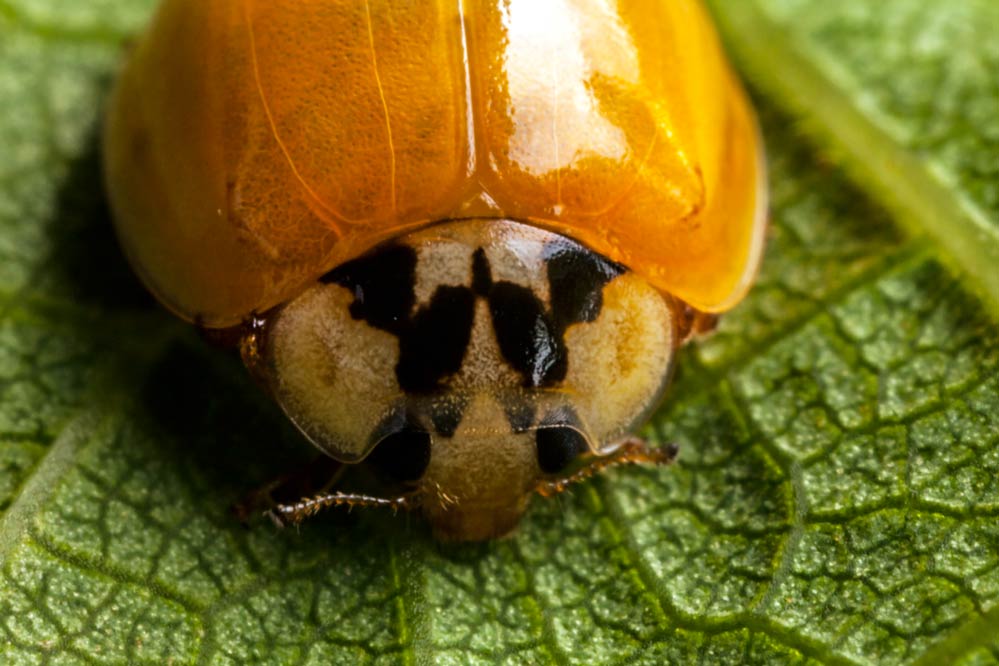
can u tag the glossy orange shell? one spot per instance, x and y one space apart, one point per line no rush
252 145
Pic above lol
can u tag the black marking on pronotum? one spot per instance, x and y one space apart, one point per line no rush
433 345
433 341
482 276
383 285
576 279
526 334
532 337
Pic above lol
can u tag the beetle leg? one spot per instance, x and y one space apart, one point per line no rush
315 477
284 514
691 323
632 451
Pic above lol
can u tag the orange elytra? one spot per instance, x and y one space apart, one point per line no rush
461 230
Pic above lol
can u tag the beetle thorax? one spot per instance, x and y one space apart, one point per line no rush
470 360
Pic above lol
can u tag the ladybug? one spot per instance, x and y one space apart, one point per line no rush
459 241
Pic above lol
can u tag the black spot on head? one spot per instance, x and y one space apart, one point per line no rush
527 337
558 446
382 283
520 414
446 414
434 344
402 455
482 277
576 278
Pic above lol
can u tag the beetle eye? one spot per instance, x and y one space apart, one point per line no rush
558 446
403 455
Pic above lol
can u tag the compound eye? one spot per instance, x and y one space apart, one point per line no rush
558 447
403 455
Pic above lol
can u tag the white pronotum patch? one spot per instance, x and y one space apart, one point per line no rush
334 376
444 256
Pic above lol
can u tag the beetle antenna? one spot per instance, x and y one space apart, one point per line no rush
293 514
632 451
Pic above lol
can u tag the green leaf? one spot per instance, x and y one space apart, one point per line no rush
838 490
